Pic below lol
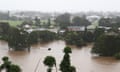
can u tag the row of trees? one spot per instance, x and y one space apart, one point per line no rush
20 39
65 20
110 22
107 45
81 38
42 36
36 23
65 65
73 38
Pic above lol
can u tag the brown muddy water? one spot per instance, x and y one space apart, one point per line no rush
82 59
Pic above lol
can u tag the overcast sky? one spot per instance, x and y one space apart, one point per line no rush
61 5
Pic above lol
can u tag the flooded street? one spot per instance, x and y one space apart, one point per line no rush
80 58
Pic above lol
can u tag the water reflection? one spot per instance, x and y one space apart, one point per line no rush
81 58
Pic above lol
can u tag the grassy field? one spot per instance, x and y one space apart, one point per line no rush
93 25
12 23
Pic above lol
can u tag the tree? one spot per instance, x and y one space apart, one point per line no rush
37 21
73 69
14 68
105 22
73 38
9 66
49 22
50 62
88 36
110 22
41 36
98 32
67 50
63 20
79 21
76 20
4 30
107 45
65 65
18 39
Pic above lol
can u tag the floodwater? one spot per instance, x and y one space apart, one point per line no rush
81 58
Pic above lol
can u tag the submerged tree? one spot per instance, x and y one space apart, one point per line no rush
41 36
50 62
107 45
65 65
18 39
8 66
73 38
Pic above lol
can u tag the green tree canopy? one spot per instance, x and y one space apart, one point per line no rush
42 36
65 65
98 32
37 21
67 50
63 20
18 39
79 21
107 45
73 38
50 62
9 66
4 30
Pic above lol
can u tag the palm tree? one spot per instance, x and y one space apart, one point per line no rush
8 66
67 50
65 65
50 62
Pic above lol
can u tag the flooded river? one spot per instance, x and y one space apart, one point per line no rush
80 58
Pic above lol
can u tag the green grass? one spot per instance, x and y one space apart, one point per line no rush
93 25
12 22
